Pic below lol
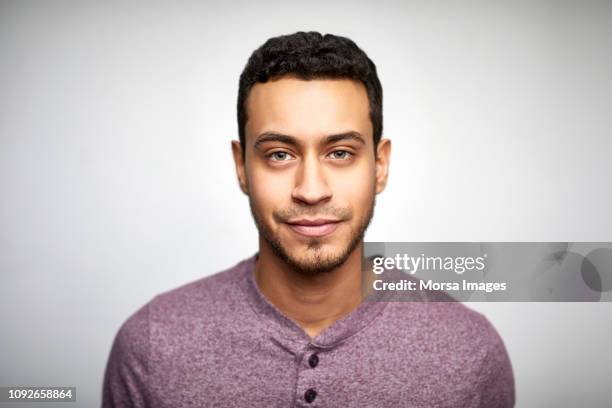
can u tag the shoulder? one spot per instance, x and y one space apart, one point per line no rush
132 339
219 289
459 339
127 367
438 315
190 301
444 322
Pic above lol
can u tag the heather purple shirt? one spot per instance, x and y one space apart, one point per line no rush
218 342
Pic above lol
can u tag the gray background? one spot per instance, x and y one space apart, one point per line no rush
117 183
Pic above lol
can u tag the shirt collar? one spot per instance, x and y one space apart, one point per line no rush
289 334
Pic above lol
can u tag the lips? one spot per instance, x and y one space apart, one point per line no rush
314 228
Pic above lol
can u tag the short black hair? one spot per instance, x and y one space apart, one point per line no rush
311 55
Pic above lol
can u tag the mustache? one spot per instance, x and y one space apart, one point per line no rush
286 214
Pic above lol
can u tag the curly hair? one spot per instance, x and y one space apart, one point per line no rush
311 55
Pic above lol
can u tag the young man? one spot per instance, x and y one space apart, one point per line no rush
289 326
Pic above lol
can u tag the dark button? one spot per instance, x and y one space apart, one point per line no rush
313 360
310 395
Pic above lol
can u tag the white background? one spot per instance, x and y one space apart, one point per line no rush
117 183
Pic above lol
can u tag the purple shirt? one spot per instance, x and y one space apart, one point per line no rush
218 342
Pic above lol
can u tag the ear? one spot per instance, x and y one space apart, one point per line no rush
383 155
240 169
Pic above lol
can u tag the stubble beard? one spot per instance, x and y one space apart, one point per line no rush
316 262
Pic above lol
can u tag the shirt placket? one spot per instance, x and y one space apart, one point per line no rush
310 361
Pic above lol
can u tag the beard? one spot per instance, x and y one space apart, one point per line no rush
316 261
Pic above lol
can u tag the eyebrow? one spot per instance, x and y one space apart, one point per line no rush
291 140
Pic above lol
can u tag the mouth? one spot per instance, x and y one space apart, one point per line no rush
314 228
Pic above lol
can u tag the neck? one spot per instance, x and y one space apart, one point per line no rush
316 301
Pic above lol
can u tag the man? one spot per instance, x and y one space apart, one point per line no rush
288 326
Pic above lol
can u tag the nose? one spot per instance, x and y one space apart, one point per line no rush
311 185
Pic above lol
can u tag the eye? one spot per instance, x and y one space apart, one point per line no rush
341 154
279 156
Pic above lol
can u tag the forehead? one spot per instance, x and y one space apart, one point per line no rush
308 108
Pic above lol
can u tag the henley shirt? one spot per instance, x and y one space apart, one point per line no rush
218 342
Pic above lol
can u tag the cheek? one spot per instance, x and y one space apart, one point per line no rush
268 191
356 189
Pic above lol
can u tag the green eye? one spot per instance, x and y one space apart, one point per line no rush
341 154
280 156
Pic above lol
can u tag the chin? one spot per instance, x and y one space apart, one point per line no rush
318 257
310 266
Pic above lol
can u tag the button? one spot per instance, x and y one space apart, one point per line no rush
313 360
310 395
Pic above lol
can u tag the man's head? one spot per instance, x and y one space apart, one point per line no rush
310 150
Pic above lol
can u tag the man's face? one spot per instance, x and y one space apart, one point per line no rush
310 170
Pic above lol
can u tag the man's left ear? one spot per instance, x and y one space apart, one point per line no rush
383 155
